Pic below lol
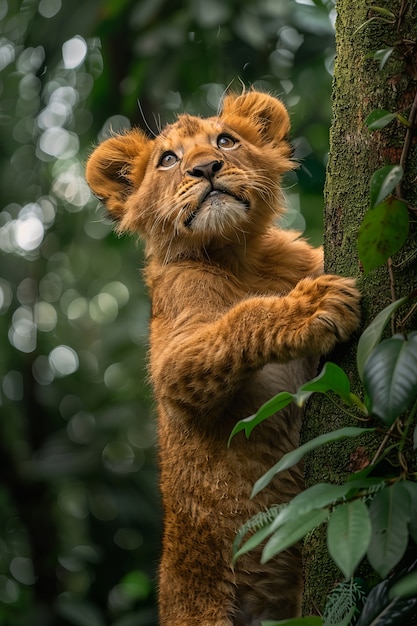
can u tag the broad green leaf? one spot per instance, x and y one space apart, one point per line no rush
382 233
293 457
292 532
310 620
348 535
276 403
363 484
371 336
331 378
382 610
308 501
315 497
383 182
390 376
405 588
390 513
412 490
379 118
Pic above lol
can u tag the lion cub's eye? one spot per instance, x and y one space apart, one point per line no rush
167 160
226 142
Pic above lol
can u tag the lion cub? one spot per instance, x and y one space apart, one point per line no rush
240 311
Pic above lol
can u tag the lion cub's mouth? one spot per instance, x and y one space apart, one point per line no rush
212 195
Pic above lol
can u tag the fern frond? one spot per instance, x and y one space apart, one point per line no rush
343 604
257 522
374 489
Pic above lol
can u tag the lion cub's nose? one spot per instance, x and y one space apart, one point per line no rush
206 170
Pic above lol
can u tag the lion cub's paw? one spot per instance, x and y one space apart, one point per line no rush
333 311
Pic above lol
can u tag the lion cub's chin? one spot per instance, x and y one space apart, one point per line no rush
219 214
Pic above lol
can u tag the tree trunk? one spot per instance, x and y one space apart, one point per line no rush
360 86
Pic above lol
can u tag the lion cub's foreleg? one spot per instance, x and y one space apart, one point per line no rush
212 359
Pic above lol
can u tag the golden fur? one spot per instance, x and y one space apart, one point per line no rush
240 311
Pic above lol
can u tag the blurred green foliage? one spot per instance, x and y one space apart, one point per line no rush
79 512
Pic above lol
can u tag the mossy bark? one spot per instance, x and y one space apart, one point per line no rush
360 86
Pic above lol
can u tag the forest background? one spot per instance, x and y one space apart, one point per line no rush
80 518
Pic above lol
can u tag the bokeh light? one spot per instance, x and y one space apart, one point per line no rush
74 52
63 361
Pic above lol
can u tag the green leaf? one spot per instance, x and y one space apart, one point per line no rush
382 56
381 610
315 497
363 485
412 491
390 513
390 376
359 483
310 500
291 532
309 620
371 336
276 403
383 182
406 587
382 233
331 378
379 118
293 457
348 535
382 11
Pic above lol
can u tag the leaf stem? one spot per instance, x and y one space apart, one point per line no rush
404 435
408 139
384 442
345 411
401 13
407 426
392 288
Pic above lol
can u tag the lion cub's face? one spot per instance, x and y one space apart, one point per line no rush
201 182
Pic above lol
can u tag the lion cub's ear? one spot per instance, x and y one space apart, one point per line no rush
116 168
266 115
